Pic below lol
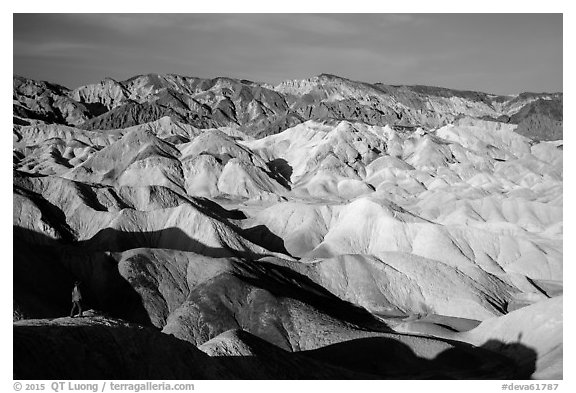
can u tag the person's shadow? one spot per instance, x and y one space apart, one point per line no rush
523 356
390 358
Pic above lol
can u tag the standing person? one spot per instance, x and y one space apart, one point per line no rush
76 299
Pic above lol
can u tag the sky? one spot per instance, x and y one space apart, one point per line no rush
494 53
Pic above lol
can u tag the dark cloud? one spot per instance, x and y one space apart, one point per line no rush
501 53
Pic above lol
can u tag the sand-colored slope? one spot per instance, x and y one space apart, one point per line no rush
402 283
117 219
323 156
216 165
138 158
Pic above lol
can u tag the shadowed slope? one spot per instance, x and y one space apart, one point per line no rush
539 326
103 348
44 273
254 358
272 302
96 347
392 359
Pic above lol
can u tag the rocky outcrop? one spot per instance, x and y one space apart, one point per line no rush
260 110
46 102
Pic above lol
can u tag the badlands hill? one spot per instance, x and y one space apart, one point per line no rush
260 109
322 228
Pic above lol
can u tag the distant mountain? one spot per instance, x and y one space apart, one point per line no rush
46 102
259 109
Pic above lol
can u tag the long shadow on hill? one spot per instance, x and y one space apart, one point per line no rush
259 234
44 273
41 285
262 236
121 352
45 269
95 108
282 281
281 171
85 348
393 359
269 301
215 210
51 213
524 357
111 239
171 238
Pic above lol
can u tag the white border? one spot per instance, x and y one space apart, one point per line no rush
303 6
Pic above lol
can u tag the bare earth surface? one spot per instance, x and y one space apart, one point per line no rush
318 229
